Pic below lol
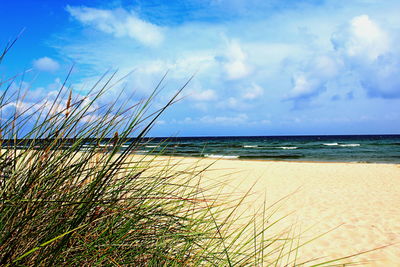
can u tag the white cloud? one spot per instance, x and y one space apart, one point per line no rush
120 23
41 100
326 66
184 65
362 49
253 92
234 103
382 77
46 64
294 52
206 95
367 50
236 66
234 120
362 38
48 104
228 120
313 77
161 122
240 118
231 103
304 86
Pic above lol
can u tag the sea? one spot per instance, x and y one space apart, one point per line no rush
323 148
326 148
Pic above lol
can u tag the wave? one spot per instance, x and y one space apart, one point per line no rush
108 146
152 146
249 146
141 151
331 144
220 156
288 147
349 145
272 157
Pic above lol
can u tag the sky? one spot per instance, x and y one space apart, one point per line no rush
259 67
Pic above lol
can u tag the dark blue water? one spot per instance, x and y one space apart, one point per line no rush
346 148
335 148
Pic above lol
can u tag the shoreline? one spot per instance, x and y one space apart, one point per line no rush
268 160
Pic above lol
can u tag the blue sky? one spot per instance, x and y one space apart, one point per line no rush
261 67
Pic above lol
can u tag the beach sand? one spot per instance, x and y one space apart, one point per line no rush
360 200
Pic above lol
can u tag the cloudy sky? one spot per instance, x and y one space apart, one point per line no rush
261 67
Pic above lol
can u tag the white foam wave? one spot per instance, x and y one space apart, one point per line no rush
288 147
249 146
349 145
142 151
331 144
220 156
106 145
152 146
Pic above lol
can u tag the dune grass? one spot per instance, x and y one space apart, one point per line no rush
71 193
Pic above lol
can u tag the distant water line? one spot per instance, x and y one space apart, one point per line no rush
344 148
335 148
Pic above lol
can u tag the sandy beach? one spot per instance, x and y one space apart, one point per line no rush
359 201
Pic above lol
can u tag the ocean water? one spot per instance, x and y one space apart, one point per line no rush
345 148
335 148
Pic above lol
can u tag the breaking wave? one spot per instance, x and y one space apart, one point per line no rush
349 145
331 144
213 156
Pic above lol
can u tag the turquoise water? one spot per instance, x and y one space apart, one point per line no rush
349 148
345 148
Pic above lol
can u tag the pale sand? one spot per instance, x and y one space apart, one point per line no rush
362 199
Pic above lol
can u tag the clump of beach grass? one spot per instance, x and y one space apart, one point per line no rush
72 193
